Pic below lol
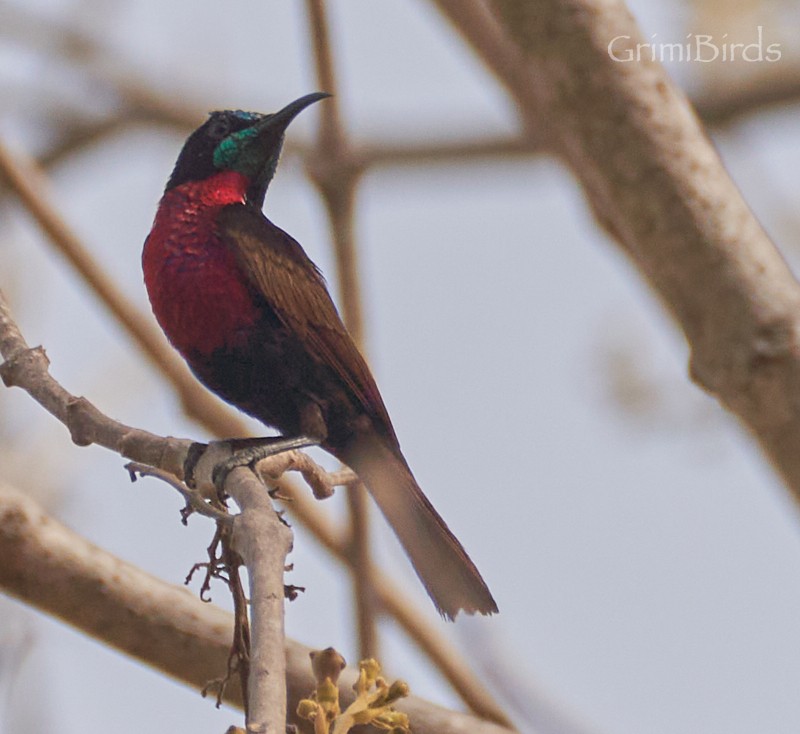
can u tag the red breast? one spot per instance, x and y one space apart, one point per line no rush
198 292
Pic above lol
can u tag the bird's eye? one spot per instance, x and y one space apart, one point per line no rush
219 128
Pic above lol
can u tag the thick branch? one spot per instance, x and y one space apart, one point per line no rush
657 185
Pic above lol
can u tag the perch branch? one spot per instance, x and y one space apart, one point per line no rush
263 542
51 568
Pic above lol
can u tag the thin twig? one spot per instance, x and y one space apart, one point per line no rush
193 498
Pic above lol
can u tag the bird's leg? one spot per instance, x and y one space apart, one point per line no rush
255 450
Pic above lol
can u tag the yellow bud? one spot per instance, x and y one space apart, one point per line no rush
370 670
398 689
393 721
399 720
328 693
326 663
307 709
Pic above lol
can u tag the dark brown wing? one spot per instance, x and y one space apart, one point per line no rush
295 290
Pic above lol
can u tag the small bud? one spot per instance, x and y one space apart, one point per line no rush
307 709
328 693
370 670
396 722
398 689
326 663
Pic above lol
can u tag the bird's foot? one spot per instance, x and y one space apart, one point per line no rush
241 447
255 450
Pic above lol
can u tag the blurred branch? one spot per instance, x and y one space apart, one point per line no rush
57 571
656 185
717 102
331 168
727 99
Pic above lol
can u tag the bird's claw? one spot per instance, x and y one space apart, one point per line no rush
251 455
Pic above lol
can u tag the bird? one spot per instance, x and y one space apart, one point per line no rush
252 316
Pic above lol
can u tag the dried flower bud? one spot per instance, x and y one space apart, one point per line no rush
326 663
307 709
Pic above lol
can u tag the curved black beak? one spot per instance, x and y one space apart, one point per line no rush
279 121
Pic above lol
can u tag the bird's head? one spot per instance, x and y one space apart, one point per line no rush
248 143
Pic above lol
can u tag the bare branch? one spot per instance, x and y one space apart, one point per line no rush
263 541
657 185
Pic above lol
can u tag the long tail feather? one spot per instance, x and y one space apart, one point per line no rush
449 576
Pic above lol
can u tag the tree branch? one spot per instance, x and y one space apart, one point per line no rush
263 541
657 185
